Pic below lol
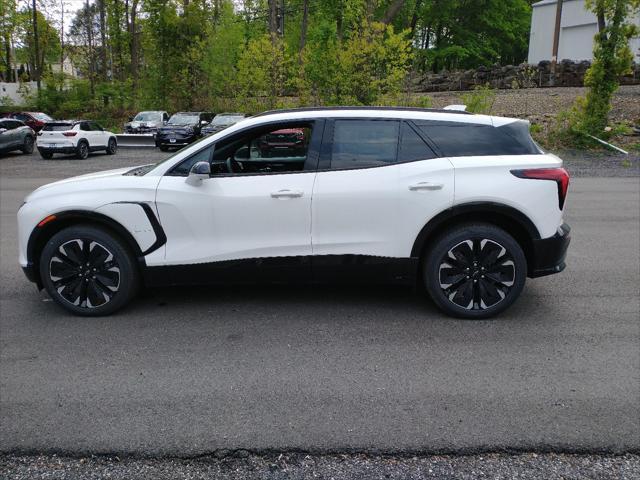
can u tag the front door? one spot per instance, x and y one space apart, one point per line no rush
254 213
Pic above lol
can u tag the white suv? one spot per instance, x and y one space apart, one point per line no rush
465 206
77 137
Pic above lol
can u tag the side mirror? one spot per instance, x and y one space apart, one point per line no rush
2 130
203 122
200 171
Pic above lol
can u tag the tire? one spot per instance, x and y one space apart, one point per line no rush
112 146
163 148
82 150
475 271
27 146
46 155
80 252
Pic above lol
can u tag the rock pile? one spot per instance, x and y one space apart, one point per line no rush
568 74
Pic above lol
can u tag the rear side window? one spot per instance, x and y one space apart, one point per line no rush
412 147
457 139
364 143
57 127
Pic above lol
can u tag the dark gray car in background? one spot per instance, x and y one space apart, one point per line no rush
222 121
15 135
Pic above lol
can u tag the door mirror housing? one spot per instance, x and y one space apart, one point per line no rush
200 171
203 122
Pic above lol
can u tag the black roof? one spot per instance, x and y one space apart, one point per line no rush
320 109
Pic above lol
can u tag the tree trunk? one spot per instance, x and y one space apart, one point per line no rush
414 17
103 39
133 39
273 18
36 43
90 47
303 27
392 11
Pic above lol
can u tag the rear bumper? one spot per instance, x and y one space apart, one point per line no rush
549 253
57 150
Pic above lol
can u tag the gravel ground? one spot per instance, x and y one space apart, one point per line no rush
538 102
243 465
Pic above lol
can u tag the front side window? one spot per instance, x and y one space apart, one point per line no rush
364 143
263 150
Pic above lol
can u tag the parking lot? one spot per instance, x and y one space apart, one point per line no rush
198 370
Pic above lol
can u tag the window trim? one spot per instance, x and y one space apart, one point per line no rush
313 152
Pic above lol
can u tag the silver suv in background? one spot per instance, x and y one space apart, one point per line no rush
146 122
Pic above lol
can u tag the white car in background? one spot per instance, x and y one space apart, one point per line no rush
466 207
79 137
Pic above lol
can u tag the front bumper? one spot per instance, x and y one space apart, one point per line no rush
175 139
549 253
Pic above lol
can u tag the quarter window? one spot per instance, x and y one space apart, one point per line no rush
364 143
458 139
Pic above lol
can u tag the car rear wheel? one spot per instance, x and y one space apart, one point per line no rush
88 271
475 271
82 150
27 146
112 146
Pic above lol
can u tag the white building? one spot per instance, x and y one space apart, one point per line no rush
577 29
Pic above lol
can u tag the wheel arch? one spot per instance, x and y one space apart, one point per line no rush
513 221
41 235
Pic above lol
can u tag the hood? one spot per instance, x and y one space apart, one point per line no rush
80 178
170 128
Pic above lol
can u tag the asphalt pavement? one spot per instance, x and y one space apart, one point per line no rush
191 371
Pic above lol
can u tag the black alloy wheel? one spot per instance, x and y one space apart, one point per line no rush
475 271
83 150
88 271
112 146
476 274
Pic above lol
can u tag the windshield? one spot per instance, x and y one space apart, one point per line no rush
147 117
43 117
183 119
226 120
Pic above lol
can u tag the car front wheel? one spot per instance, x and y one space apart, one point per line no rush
88 271
475 271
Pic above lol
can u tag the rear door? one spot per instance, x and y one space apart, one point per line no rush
378 184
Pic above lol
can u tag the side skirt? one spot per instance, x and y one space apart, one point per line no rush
339 269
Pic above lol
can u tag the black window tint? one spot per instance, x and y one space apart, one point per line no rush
412 147
364 143
184 168
457 139
84 126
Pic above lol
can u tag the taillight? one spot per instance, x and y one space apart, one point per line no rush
558 175
69 134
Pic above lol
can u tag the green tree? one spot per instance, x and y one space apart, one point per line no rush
612 57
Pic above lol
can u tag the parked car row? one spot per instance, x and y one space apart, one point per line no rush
23 130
